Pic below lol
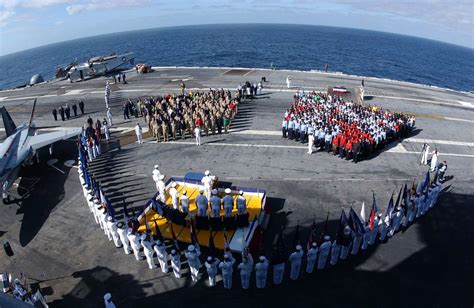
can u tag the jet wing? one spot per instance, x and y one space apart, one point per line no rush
39 141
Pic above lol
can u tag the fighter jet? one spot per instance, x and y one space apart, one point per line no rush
20 146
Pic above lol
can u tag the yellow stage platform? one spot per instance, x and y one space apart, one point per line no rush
255 201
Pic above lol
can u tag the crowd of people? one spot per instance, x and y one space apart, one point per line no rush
64 112
355 234
178 116
350 130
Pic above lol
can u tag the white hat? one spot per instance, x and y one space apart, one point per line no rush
227 190
143 237
314 244
96 201
201 190
298 247
207 172
158 242
379 215
262 258
191 248
241 192
185 192
109 218
156 166
327 238
399 208
226 256
161 177
209 259
99 206
107 296
129 231
214 191
173 251
173 184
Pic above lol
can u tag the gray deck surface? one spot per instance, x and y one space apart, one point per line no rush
57 242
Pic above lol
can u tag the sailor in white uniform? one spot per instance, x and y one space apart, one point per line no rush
324 252
161 255
135 244
193 260
206 182
174 196
122 232
211 268
261 271
227 268
295 260
184 202
176 263
112 226
148 251
160 186
311 257
246 267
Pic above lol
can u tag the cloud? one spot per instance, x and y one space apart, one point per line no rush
8 8
95 5
5 17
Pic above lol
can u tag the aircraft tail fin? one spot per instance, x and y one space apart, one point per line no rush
32 113
7 122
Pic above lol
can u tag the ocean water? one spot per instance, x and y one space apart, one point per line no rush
300 47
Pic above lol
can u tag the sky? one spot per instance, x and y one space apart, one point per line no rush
32 23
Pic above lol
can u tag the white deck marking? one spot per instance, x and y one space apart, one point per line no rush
459 120
448 142
466 104
75 92
276 146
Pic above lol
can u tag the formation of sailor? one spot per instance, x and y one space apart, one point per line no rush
350 130
355 237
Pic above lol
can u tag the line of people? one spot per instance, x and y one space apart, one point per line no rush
65 112
349 130
355 233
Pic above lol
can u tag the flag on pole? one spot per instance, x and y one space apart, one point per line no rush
405 197
296 239
279 249
194 238
312 234
426 184
226 242
389 211
173 236
340 229
324 229
355 222
125 212
159 236
147 227
362 212
212 246
399 197
373 212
